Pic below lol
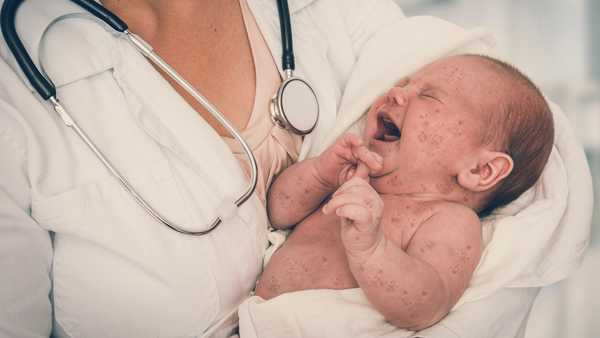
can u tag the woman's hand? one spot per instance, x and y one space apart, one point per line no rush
339 162
360 208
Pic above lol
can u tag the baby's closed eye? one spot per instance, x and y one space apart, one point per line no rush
430 94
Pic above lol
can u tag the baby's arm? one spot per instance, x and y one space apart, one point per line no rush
301 188
415 288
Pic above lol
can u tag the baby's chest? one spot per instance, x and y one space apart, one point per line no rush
402 218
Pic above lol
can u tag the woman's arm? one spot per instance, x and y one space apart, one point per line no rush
25 248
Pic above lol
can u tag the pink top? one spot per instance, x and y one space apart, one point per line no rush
274 148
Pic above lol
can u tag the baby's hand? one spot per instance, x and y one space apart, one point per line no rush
360 208
339 162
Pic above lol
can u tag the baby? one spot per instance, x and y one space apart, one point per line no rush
460 137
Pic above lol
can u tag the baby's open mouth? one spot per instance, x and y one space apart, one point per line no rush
387 130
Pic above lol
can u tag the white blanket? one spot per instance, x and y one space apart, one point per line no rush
316 314
534 241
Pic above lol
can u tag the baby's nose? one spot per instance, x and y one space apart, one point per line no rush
397 96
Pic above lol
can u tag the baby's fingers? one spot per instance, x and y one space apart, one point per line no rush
343 199
352 140
353 214
345 145
372 160
362 171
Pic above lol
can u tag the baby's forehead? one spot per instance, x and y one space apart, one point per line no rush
452 67
464 75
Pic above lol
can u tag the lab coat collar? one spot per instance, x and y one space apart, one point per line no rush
294 5
34 16
297 5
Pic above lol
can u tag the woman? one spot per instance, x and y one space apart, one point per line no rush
79 257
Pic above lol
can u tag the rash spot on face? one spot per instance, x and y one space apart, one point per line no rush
422 137
455 131
436 140
395 180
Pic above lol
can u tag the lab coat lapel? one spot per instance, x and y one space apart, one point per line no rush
32 19
160 111
173 123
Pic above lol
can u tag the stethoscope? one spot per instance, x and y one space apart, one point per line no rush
294 106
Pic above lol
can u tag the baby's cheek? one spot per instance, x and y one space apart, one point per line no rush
456 128
459 135
432 138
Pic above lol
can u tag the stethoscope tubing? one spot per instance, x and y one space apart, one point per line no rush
42 85
46 89
287 56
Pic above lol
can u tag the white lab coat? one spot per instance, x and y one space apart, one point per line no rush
78 256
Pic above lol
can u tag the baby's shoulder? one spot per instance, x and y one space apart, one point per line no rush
450 225
452 218
455 211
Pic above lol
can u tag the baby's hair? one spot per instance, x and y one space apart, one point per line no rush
521 126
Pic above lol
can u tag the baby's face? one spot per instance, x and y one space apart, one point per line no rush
428 125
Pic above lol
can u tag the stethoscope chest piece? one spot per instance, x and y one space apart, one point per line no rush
295 106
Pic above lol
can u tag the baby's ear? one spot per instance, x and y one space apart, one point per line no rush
485 171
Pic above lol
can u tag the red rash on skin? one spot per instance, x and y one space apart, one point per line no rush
444 188
417 182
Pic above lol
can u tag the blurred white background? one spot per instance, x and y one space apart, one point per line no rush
557 44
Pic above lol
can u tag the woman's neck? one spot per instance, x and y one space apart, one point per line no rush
150 18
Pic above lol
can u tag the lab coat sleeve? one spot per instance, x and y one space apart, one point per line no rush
25 248
503 314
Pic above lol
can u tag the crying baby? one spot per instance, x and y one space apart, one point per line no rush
396 212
